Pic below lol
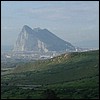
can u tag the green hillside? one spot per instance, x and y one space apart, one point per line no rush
74 76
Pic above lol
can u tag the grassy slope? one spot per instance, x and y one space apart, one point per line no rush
76 70
63 68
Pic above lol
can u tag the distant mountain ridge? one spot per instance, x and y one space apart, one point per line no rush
41 40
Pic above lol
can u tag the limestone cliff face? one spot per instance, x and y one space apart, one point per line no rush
40 40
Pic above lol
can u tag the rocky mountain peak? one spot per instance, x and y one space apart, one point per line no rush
37 29
26 29
38 39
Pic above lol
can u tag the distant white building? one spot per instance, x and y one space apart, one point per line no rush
7 56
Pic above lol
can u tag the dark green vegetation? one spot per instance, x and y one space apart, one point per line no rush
69 76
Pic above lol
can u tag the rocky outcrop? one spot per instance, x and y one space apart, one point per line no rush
40 40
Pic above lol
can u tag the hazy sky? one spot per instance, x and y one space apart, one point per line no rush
74 21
